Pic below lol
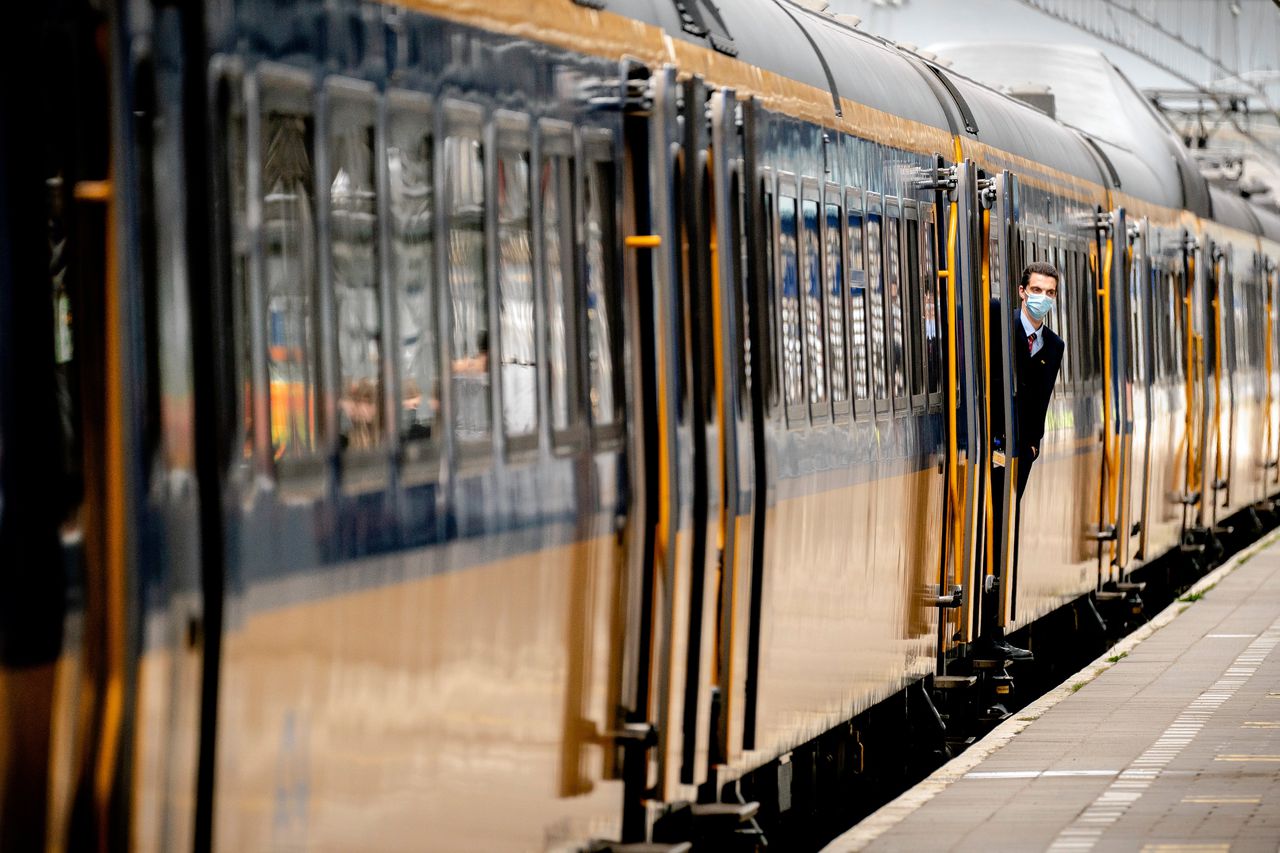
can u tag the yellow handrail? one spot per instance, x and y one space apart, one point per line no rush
985 336
953 448
1108 450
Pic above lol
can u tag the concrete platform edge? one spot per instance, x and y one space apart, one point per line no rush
888 815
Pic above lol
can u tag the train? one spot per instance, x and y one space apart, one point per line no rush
566 424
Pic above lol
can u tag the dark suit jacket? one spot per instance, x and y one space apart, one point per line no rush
1036 378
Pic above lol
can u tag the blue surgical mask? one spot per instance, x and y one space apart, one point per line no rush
1038 305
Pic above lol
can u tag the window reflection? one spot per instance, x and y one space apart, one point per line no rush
858 308
556 190
915 305
409 162
469 299
237 158
835 306
288 249
814 328
519 369
353 236
932 310
600 316
893 272
879 382
792 360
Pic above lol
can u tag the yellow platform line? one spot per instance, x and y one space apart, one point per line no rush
1241 757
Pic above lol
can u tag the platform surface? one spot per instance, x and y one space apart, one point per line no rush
1173 747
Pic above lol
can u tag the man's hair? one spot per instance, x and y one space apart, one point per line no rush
1040 268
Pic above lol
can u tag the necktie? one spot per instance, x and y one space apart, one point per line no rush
1031 342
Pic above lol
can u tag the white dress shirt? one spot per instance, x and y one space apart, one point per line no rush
1028 330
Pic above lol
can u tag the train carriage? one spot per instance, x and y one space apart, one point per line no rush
569 424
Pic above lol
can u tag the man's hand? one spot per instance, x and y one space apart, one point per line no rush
1035 453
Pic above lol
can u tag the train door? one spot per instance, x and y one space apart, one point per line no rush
685 434
1186 302
1001 265
1271 444
967 438
1219 352
731 164
1142 357
1205 335
1116 394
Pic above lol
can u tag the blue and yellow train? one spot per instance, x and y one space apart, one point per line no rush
497 426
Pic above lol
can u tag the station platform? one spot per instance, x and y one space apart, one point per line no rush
1170 742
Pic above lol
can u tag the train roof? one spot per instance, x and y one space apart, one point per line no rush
817 50
820 50
1268 220
1233 211
1093 95
1012 126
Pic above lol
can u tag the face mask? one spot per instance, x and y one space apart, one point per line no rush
1038 305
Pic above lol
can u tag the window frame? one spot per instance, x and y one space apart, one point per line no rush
901 403
770 372
1063 320
597 150
465 119
820 411
796 413
853 206
913 280
364 468
881 406
513 135
419 457
275 84
929 278
556 138
833 195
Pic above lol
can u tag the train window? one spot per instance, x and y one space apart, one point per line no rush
814 325
1079 283
289 275
468 292
603 362
768 325
412 267
1137 333
353 237
555 177
876 316
1088 316
858 303
737 230
1079 304
789 275
894 291
932 304
833 233
517 327
235 190
995 276
1061 321
1162 323
915 304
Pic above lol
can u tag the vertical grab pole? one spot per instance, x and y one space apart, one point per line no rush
972 391
1005 269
